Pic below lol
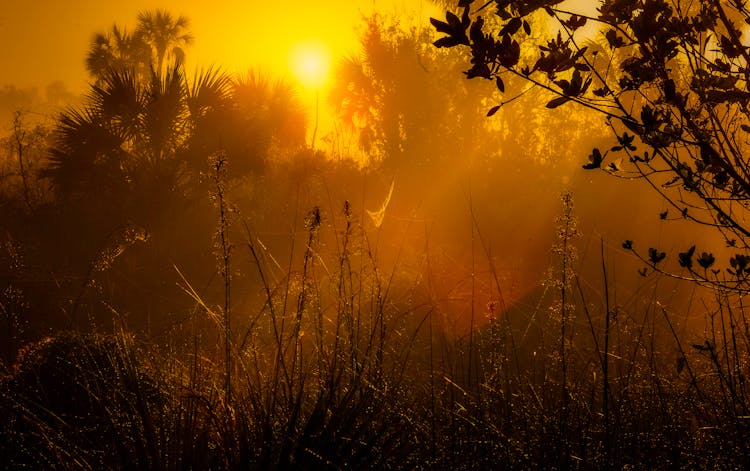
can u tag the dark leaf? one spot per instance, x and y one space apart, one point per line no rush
453 20
686 258
575 22
440 26
447 41
454 28
626 140
493 110
576 83
465 20
480 69
655 256
601 92
511 52
740 263
730 48
557 102
627 245
511 27
564 86
500 84
476 32
706 260
613 39
595 159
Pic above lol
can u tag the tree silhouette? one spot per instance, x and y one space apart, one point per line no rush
396 99
118 50
158 39
670 79
128 139
272 107
24 153
141 142
250 119
166 35
137 148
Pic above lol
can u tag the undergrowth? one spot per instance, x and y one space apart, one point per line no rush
338 368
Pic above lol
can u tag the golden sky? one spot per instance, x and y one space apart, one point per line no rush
46 40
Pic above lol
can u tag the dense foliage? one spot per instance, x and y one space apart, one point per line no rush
670 79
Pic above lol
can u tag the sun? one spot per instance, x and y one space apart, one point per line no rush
310 62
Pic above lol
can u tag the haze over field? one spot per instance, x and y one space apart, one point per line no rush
374 234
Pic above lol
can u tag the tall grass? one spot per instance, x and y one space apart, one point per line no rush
333 370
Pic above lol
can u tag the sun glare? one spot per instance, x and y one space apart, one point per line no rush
310 62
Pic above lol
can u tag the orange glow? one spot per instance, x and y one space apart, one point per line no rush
310 62
234 36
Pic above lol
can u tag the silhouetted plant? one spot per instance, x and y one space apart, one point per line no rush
80 402
157 38
335 358
223 251
674 101
395 100
20 174
166 35
118 50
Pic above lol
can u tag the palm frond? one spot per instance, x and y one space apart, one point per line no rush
210 90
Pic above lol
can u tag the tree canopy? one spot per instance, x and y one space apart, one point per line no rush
158 37
396 98
671 80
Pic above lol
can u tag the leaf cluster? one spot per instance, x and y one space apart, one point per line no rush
671 80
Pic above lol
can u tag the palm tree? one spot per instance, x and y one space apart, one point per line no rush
145 128
257 119
355 96
157 37
129 139
209 101
271 106
119 50
135 140
167 36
